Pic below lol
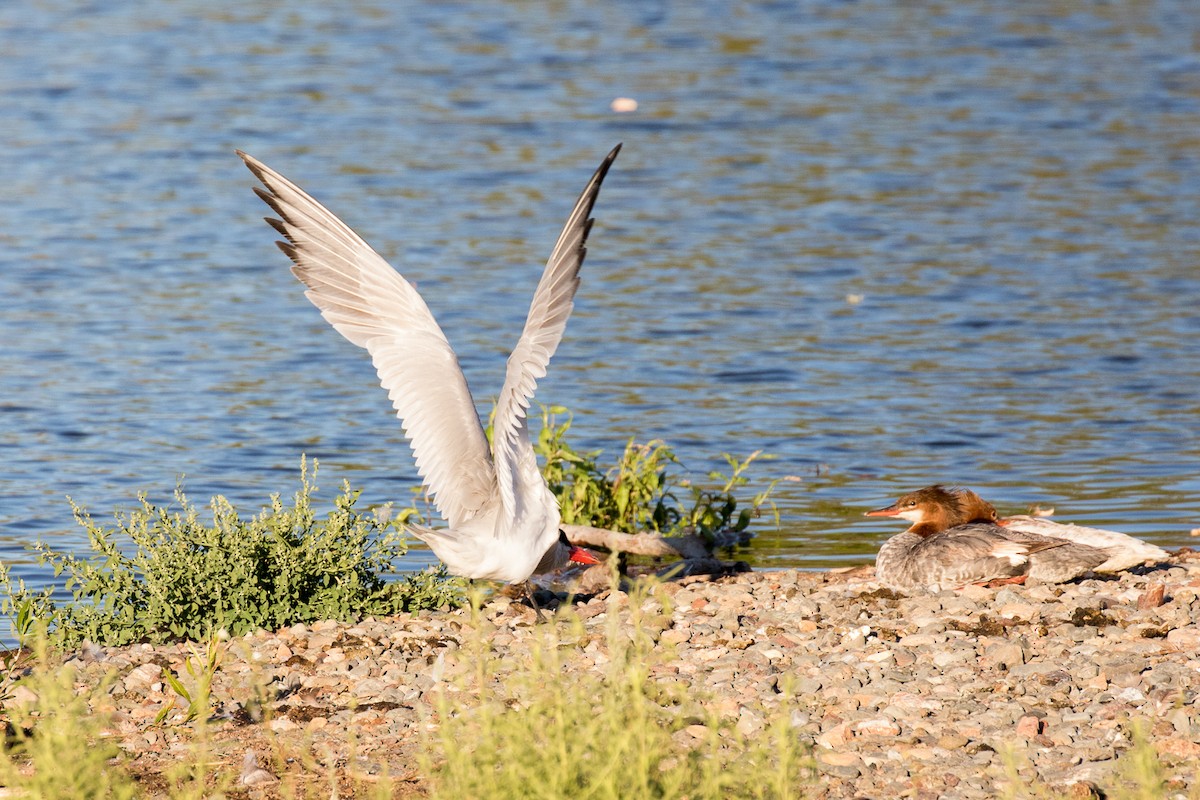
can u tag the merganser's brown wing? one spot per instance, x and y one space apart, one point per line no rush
975 553
1056 560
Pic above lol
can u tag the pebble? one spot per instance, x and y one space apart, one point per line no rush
841 765
899 696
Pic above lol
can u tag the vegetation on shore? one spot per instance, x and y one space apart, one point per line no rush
532 724
545 730
166 574
639 492
512 730
501 729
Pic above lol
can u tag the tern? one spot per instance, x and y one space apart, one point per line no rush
504 522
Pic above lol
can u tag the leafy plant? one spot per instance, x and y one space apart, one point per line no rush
638 493
715 510
187 579
22 607
164 574
201 667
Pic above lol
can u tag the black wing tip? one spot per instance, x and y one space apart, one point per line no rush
602 170
252 164
273 203
592 191
291 252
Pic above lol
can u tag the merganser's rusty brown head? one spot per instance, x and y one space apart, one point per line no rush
935 509
973 508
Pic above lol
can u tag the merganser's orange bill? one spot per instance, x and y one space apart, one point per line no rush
581 556
890 511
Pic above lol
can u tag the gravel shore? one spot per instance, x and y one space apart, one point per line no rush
897 696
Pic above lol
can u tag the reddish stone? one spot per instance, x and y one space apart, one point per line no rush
1029 726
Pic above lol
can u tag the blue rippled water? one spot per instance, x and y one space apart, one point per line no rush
890 244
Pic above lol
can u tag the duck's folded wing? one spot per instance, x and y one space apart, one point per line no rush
374 307
971 553
548 312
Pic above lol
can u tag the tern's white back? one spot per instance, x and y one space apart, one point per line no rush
504 522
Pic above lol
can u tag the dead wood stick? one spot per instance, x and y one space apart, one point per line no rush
651 544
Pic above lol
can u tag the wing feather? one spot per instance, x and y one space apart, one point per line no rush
552 302
373 306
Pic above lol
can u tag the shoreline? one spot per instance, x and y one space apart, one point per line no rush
896 695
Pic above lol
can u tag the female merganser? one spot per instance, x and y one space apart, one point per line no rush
1124 551
953 542
504 522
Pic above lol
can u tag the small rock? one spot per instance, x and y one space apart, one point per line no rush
22 695
855 637
1185 638
1183 749
1006 655
952 741
140 678
749 722
1084 790
977 593
1130 695
1025 611
1152 597
945 658
836 736
90 653
675 635
1029 727
840 764
879 726
252 774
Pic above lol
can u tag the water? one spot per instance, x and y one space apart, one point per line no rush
890 244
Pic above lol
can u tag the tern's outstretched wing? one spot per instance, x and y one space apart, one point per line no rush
374 307
548 313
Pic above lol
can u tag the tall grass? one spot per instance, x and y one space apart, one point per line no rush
589 711
57 747
1138 774
548 729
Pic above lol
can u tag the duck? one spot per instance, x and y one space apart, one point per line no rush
953 542
1125 551
503 521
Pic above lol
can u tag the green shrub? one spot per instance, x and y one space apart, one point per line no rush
638 493
184 579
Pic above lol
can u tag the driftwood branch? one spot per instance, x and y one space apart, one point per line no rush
689 546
